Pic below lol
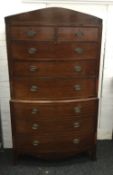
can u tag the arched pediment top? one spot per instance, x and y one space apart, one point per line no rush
53 16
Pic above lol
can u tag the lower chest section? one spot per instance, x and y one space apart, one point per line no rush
54 127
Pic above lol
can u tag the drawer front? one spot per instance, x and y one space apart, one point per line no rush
56 69
59 143
51 51
58 111
47 88
87 126
77 34
32 33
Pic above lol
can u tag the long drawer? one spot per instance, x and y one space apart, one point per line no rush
52 51
61 143
55 110
56 69
86 125
47 88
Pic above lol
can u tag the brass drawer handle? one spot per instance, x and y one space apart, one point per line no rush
77 87
34 88
78 50
79 34
78 68
31 33
77 109
76 125
35 143
32 50
35 126
34 111
33 68
76 141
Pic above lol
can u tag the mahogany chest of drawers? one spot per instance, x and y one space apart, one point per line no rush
53 57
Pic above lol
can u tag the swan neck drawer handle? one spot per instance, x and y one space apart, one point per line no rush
76 125
77 87
35 111
31 33
32 50
78 68
33 68
34 88
79 34
76 141
78 50
35 143
77 109
35 126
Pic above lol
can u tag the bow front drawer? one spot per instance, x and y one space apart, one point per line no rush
59 110
59 144
86 125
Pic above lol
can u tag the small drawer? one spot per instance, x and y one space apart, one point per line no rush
47 88
49 51
32 33
77 34
56 69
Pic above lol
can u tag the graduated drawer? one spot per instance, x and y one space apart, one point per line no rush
77 34
56 69
81 125
32 33
54 88
66 142
52 51
55 111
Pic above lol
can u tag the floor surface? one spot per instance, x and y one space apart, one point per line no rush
80 165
